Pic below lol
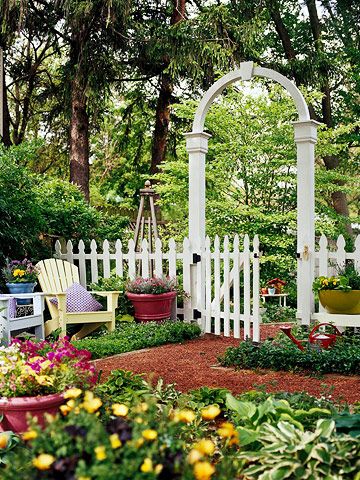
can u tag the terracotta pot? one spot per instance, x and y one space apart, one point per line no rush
149 307
336 301
15 410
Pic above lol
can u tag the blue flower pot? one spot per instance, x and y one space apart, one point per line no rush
21 287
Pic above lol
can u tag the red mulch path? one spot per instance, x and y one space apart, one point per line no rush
191 365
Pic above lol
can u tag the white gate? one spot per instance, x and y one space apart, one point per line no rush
229 288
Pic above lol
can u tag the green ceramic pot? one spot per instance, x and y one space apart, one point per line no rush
336 301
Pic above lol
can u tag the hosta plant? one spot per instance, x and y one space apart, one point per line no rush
288 452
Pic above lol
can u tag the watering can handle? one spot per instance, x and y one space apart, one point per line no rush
316 328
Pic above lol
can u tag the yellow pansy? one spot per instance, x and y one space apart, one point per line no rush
45 364
18 272
35 359
92 405
226 430
43 461
65 409
120 410
29 435
100 452
203 470
210 412
71 403
147 466
158 468
205 446
185 415
45 380
194 456
27 370
83 478
115 441
72 393
139 442
4 438
149 434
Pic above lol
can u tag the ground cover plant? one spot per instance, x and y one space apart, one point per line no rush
131 429
134 336
281 354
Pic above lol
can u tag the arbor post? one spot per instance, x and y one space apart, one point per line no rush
305 139
197 147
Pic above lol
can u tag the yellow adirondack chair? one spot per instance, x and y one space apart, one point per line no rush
55 277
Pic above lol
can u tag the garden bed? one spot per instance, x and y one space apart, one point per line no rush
135 336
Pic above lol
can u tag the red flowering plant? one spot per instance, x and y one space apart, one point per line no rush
41 368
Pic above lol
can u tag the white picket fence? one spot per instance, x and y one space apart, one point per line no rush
328 256
222 283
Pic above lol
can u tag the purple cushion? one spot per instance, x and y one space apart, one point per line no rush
78 299
12 307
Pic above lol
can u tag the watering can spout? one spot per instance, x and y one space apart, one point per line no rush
287 331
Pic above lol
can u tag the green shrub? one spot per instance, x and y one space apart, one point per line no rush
65 211
282 354
277 313
135 336
21 220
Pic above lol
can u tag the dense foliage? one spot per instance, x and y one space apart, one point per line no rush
35 209
134 336
282 354
129 429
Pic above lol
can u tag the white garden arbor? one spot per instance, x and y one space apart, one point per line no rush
305 139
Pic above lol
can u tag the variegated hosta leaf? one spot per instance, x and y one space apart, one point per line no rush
324 427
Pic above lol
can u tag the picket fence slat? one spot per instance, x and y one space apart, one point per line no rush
236 285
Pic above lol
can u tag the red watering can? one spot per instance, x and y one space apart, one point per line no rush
324 340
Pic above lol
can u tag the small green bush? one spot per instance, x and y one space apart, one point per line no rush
277 313
135 336
282 354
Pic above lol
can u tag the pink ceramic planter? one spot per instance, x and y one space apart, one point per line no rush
150 307
15 410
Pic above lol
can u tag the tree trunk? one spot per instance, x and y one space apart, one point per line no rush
339 198
6 139
162 121
79 138
163 105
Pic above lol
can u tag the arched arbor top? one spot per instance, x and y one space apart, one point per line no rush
247 71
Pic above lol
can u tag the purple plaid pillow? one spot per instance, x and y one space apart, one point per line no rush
78 299
11 307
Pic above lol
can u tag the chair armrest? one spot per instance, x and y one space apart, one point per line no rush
112 299
102 293
61 298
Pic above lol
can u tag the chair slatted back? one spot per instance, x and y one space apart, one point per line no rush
55 277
